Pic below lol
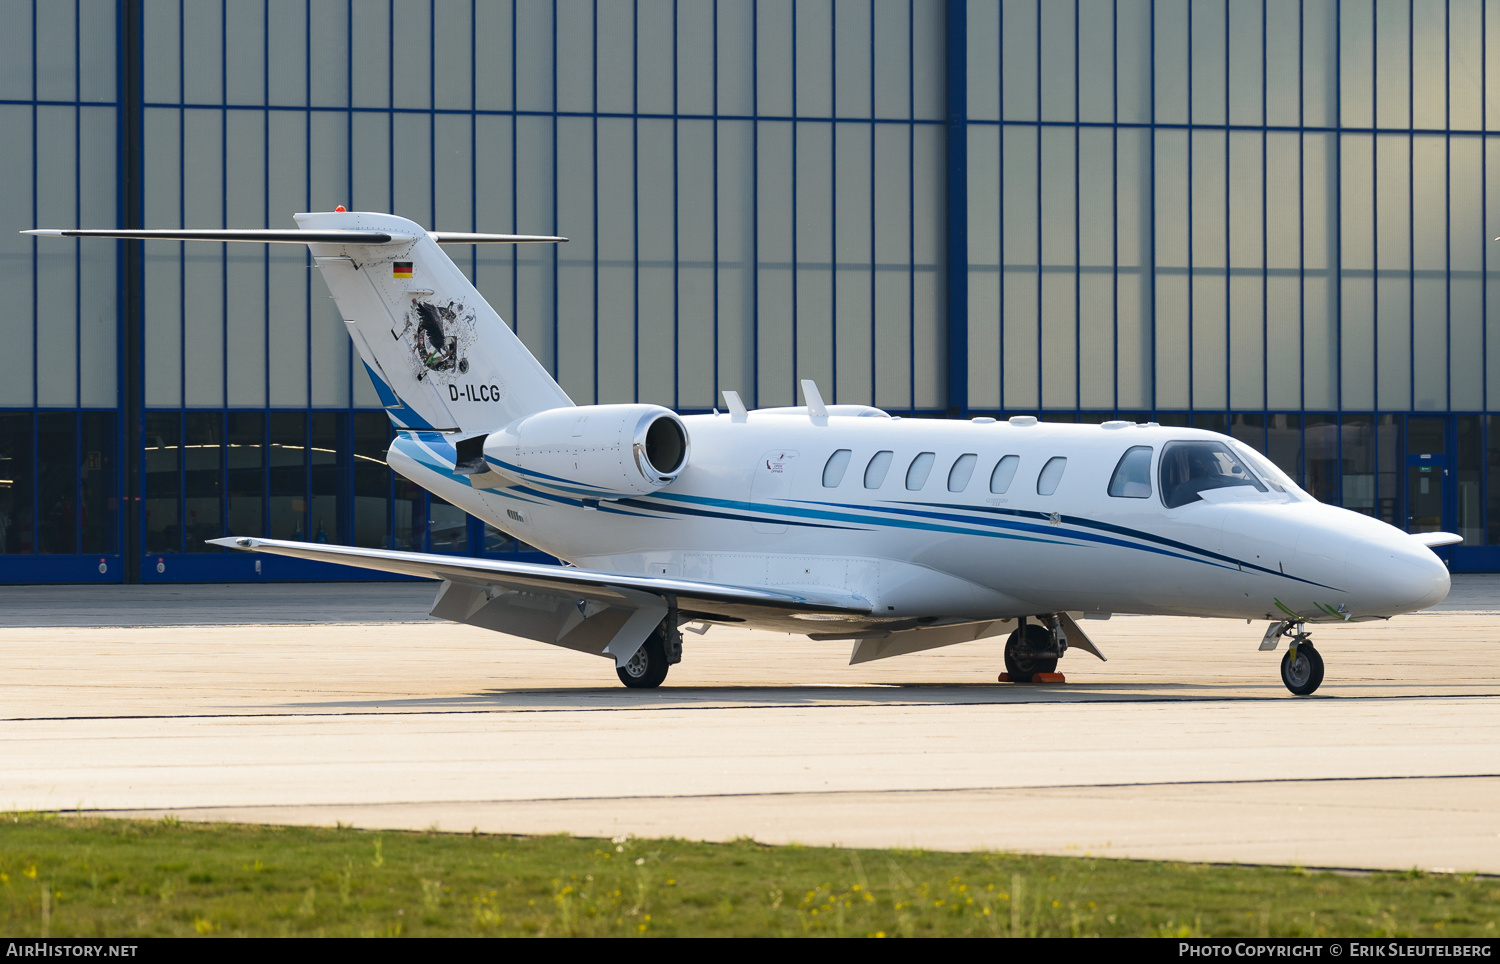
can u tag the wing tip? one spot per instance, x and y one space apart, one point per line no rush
467 237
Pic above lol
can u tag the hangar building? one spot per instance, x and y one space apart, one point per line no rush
1264 217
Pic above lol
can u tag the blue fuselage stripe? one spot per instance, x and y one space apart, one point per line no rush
933 517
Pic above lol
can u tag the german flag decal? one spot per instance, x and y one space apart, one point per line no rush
401 270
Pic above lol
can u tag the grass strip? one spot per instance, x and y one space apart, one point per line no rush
64 876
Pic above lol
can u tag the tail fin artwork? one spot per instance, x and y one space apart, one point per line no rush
440 357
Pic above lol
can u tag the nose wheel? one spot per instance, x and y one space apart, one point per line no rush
1302 668
1301 665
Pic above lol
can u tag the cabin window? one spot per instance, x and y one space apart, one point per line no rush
962 471
916 473
1052 473
880 464
833 472
1005 471
1132 478
1190 468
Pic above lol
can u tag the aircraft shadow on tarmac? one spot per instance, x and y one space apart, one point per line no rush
805 694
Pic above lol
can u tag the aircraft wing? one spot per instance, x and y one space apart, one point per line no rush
1434 539
606 613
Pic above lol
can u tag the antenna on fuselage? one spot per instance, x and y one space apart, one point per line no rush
737 410
814 399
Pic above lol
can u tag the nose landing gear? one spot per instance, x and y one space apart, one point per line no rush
1301 665
1301 668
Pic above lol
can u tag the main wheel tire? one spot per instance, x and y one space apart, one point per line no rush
1304 674
1020 664
648 667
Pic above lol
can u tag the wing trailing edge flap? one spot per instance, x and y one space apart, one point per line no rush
902 641
1077 638
614 628
882 645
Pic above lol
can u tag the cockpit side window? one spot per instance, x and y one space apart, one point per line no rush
1189 468
1132 478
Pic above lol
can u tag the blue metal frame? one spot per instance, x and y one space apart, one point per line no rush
957 50
956 395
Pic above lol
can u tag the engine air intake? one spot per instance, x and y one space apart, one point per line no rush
666 447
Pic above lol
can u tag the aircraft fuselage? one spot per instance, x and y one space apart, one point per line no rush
759 504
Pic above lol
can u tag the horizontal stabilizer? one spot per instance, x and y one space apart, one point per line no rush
439 356
458 237
273 236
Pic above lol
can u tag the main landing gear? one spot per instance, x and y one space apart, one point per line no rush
648 667
1301 665
1033 649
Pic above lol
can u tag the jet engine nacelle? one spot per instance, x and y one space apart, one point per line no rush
609 451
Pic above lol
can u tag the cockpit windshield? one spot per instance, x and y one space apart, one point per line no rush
1269 472
1189 468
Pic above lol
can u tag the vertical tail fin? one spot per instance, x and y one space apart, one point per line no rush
439 355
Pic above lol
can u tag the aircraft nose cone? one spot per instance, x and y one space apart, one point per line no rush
1395 576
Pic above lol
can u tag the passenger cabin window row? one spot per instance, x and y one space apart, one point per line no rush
1187 469
959 474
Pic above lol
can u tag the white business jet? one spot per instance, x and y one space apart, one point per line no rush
833 521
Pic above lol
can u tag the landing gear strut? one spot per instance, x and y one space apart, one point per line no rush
1301 665
1033 649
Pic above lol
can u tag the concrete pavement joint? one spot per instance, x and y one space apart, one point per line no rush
1330 699
851 791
